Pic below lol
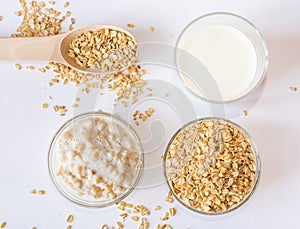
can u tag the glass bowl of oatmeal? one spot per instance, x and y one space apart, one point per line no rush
95 159
212 166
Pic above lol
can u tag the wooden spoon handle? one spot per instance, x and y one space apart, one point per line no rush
31 48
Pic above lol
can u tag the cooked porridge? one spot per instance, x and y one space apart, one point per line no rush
98 157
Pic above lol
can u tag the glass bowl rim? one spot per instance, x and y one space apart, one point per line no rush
107 203
257 166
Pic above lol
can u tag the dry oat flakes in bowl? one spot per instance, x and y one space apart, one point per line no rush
212 166
95 159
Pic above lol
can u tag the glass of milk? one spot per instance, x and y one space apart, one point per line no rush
221 57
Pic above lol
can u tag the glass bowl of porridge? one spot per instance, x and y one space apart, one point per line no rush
95 159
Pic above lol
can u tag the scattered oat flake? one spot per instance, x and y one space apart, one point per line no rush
42 4
51 2
151 110
119 225
42 70
18 66
245 112
33 228
169 200
41 192
74 105
130 25
167 94
1 18
69 219
135 113
18 13
69 227
33 191
66 81
152 28
55 80
123 216
157 208
129 205
30 67
293 88
66 4
3 225
44 105
165 218
135 218
172 211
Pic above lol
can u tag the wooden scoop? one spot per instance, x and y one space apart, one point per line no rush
52 48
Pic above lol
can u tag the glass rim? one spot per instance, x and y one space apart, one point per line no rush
102 203
263 44
257 167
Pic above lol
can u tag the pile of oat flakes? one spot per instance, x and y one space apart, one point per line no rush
40 19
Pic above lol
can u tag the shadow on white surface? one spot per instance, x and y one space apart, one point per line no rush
278 152
234 109
284 54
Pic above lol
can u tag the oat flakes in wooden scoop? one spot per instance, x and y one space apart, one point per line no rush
93 48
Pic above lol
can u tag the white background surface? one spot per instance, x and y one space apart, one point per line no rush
273 118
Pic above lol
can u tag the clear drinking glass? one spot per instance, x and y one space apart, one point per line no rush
234 21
